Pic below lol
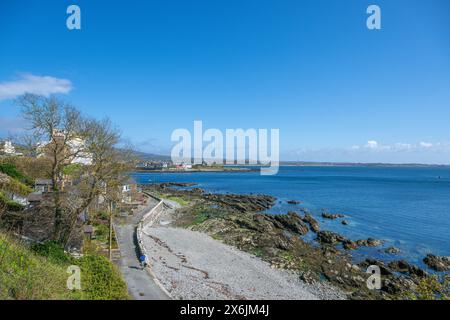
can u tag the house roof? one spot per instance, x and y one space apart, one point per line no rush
43 182
34 197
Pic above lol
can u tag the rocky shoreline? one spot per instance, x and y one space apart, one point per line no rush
239 221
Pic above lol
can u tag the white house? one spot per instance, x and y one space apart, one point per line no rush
75 146
7 147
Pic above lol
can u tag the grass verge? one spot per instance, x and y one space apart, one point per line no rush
39 272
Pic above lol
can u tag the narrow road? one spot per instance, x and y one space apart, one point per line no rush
141 284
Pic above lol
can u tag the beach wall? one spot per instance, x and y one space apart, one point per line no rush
149 219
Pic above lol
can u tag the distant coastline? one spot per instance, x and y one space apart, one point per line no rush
163 158
205 170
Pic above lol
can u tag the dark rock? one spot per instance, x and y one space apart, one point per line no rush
176 184
330 237
369 242
437 263
198 190
349 245
292 222
392 250
398 285
400 266
385 271
404 267
344 222
293 202
312 222
331 216
416 271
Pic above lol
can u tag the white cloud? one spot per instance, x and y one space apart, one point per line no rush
29 83
372 144
426 145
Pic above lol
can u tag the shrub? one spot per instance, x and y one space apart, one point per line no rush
11 170
102 232
100 280
433 288
9 204
53 251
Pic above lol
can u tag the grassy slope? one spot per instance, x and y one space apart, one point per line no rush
25 274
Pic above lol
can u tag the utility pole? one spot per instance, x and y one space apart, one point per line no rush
110 228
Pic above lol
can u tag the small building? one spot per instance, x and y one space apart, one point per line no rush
34 199
184 166
88 231
43 185
129 186
129 190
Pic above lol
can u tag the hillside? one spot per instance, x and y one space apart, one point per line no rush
39 273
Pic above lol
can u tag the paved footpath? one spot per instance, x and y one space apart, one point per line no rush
141 284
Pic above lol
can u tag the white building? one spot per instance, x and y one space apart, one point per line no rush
7 147
187 166
75 146
82 157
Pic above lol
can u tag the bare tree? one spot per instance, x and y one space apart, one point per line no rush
69 137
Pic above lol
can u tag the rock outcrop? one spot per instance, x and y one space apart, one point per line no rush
313 224
392 250
330 237
292 222
369 242
437 263
332 216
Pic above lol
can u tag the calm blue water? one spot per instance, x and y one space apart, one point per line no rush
408 207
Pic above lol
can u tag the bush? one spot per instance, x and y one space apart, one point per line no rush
53 252
433 288
102 232
9 204
11 170
100 280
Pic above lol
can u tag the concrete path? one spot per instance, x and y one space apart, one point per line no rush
141 285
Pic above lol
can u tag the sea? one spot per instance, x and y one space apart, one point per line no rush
406 207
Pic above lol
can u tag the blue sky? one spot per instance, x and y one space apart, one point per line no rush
336 90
